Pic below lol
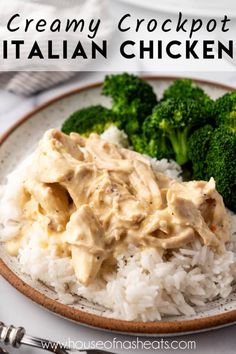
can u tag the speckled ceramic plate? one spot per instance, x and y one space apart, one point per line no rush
15 145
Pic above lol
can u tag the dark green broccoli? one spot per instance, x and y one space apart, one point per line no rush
131 127
157 146
132 99
225 110
90 119
198 146
176 119
221 163
185 88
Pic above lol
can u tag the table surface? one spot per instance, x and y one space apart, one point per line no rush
18 310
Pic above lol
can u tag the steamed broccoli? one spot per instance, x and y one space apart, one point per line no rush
221 163
213 154
175 119
132 99
185 88
198 146
158 146
90 119
225 109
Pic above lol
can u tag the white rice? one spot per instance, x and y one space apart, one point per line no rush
145 287
115 136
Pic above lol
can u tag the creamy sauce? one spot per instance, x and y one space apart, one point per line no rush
93 199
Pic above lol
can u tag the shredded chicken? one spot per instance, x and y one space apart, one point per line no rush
98 198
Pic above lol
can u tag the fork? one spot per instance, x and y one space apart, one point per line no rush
16 336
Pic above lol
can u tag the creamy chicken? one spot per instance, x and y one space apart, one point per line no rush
95 199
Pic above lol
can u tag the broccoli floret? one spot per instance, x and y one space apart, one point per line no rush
158 147
131 127
221 163
225 110
139 144
90 119
185 88
198 146
132 99
176 119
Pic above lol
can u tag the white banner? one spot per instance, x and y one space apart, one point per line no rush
88 35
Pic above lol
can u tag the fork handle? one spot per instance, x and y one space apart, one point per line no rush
15 336
11 335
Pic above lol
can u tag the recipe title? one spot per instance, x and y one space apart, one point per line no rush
91 47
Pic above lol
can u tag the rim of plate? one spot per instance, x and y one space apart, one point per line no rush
100 322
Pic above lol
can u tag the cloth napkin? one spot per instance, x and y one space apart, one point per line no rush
26 82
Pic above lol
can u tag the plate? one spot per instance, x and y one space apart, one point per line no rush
16 144
203 8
